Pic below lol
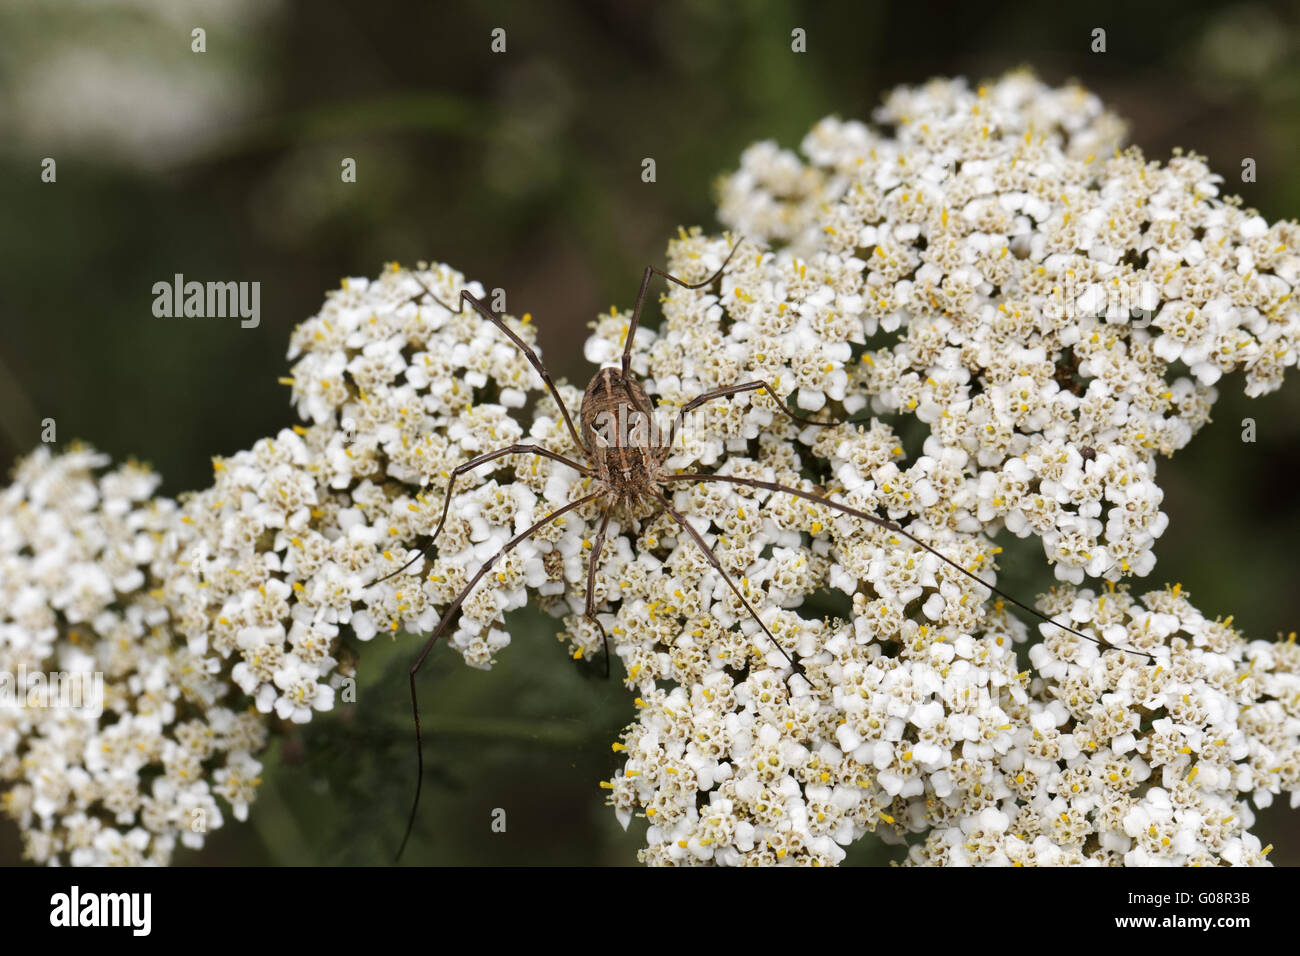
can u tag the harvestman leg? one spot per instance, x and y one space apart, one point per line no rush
591 584
651 272
727 390
474 463
897 529
717 566
442 626
524 347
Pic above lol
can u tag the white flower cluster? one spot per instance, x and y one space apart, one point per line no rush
126 767
977 268
1096 761
1031 294
210 616
398 394
1054 319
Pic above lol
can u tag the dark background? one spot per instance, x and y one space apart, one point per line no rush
523 170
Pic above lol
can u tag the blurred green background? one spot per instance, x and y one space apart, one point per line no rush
523 170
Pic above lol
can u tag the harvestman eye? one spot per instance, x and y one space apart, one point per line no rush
626 465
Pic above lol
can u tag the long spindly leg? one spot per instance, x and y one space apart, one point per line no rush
699 400
524 347
717 566
651 272
442 626
474 463
591 584
898 529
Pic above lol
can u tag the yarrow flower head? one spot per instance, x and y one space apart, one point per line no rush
991 264
984 267
123 778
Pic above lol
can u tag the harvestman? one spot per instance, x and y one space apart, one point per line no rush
628 472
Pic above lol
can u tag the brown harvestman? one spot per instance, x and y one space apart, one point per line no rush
627 467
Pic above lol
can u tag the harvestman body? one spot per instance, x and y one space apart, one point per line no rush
626 464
